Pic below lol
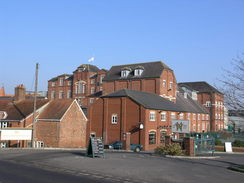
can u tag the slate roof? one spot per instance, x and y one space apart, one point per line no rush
190 105
201 86
153 101
21 109
55 109
69 77
147 100
88 67
151 70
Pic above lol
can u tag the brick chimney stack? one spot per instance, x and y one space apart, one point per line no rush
19 93
2 92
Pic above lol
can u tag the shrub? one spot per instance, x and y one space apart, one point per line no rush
218 142
238 143
172 149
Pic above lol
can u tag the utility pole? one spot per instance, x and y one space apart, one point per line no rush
34 110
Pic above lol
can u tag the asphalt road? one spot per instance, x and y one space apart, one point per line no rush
73 166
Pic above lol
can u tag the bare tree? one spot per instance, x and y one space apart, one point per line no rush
233 85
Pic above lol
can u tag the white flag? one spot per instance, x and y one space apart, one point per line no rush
91 59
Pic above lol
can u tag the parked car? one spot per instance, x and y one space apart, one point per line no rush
119 145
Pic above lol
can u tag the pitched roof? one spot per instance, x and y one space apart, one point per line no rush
56 109
147 100
200 86
189 104
88 67
67 77
21 109
151 70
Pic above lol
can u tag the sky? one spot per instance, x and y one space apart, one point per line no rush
197 39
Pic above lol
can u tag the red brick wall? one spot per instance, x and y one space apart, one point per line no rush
73 128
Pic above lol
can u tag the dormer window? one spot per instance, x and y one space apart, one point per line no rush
81 69
138 71
125 72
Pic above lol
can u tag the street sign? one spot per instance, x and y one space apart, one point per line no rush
15 134
95 147
228 147
180 126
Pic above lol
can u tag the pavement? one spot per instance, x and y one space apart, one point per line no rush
130 167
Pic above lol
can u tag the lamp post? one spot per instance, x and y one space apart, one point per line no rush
141 126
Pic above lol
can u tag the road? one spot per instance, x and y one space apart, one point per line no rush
73 166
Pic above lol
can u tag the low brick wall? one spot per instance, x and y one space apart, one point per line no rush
235 149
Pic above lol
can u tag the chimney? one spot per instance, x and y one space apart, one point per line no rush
19 93
2 92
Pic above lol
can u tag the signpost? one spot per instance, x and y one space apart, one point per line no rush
15 134
180 126
95 147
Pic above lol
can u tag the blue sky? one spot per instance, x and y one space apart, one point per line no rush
195 38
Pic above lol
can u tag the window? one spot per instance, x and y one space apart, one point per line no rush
152 137
164 83
216 116
125 73
92 81
114 118
53 84
80 88
162 137
172 115
219 116
208 104
101 88
163 116
69 94
181 116
170 85
61 82
206 116
189 116
61 95
203 126
198 127
194 116
3 124
53 95
91 101
92 90
101 78
69 83
138 72
152 116
198 116
194 127
203 117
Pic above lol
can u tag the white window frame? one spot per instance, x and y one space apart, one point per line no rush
152 116
3 124
163 116
208 104
114 119
198 116
69 94
53 94
164 83
181 116
138 72
189 116
170 84
172 115
91 100
92 81
92 90
124 73
53 84
69 83
61 95
61 81
194 117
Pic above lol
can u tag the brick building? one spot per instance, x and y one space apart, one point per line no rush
60 123
152 77
85 85
210 98
119 113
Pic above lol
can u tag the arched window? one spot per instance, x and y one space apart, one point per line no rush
152 137
125 72
80 87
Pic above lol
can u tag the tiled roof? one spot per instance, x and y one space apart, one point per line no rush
147 100
19 110
200 86
151 70
189 104
55 109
